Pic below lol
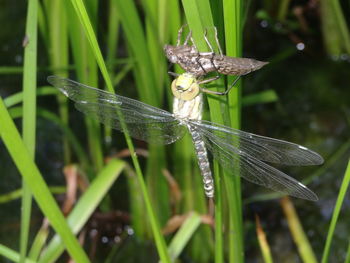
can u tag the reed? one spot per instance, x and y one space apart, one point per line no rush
80 47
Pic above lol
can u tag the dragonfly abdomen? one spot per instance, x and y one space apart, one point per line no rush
203 162
236 66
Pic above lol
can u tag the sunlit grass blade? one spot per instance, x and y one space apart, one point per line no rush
232 15
145 76
17 98
84 19
264 245
12 255
39 240
57 36
38 187
149 83
347 259
29 114
199 17
219 217
299 236
183 235
341 196
85 206
112 45
87 73
16 194
113 35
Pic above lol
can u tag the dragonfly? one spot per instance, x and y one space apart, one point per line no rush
202 63
235 150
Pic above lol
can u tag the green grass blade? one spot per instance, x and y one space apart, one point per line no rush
347 259
219 246
112 45
334 26
84 19
199 17
89 31
58 54
266 96
12 255
85 206
263 244
232 10
29 115
113 35
343 188
87 73
297 231
38 187
132 26
183 235
144 46
18 97
39 241
16 194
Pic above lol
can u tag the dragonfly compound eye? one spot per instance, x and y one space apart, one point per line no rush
184 90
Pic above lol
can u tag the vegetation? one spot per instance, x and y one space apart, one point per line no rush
107 209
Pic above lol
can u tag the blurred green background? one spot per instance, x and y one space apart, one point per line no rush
301 96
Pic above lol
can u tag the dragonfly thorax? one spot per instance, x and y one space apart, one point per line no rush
176 53
185 87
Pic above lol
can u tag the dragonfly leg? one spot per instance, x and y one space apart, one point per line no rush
204 81
218 92
207 41
217 41
193 43
211 47
211 53
179 34
188 37
173 74
200 64
234 83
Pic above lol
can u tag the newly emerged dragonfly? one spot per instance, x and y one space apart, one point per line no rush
202 63
235 150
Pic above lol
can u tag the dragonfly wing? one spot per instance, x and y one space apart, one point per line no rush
143 121
250 168
260 147
137 123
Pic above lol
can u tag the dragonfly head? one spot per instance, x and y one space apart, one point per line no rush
170 52
185 87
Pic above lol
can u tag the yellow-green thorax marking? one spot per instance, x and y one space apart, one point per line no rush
187 97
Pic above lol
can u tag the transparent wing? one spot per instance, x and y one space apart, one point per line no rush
239 160
260 147
143 121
